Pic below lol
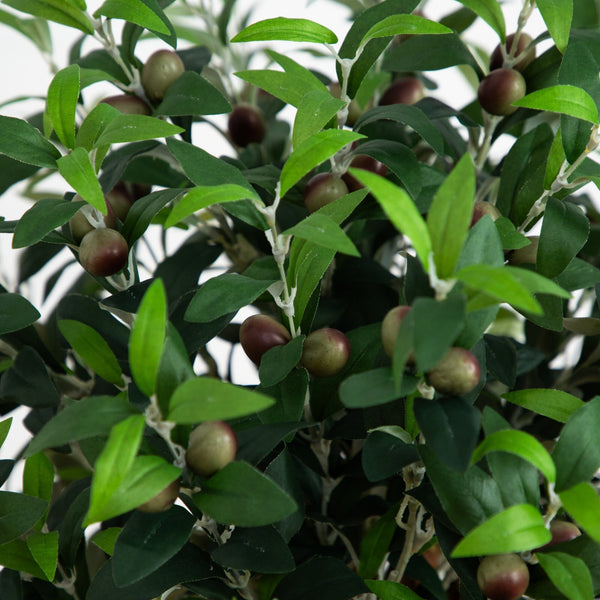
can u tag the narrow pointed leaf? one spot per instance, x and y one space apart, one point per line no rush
135 128
78 171
557 15
404 24
61 104
554 404
583 504
44 550
16 313
285 29
569 574
23 142
133 11
491 12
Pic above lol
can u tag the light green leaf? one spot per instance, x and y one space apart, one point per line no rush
583 504
94 124
316 109
569 574
106 539
401 211
284 29
78 171
536 283
449 216
323 231
554 404
491 12
133 11
208 399
58 11
390 590
44 550
564 99
520 443
313 152
557 15
93 350
148 337
61 104
403 24
515 529
135 128
204 196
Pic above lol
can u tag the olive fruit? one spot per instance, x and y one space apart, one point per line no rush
390 326
456 374
500 89
482 208
163 500
354 109
246 125
526 254
561 531
260 333
368 163
503 576
128 104
496 60
119 201
159 72
323 189
212 446
406 90
325 352
103 252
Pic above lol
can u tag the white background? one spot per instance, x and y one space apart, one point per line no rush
23 72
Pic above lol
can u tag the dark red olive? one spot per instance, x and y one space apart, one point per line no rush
499 90
103 252
503 577
406 90
482 208
496 61
246 125
368 163
260 333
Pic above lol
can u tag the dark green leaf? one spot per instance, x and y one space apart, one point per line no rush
134 128
79 172
555 404
375 544
19 513
385 453
23 142
16 313
277 362
373 388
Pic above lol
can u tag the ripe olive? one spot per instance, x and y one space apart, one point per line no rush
503 577
325 352
500 89
526 254
246 125
323 189
390 327
128 104
406 90
212 446
496 61
561 531
103 252
456 374
159 72
368 163
482 208
260 333
163 500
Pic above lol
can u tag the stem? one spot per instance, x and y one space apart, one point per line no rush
163 428
490 122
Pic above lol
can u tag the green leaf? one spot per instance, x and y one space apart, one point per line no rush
93 350
518 528
61 103
401 211
557 15
583 504
84 419
19 513
554 404
278 361
404 24
313 152
17 556
191 94
315 110
134 128
43 217
374 387
569 574
208 399
58 11
23 142
4 429
241 495
375 544
38 476
390 590
284 29
449 216
148 337
106 539
78 171
133 11
386 451
203 197
16 313
520 443
44 550
563 99
94 124
322 230
491 12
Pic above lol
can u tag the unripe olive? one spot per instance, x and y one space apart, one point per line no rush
482 208
503 577
323 189
456 374
163 500
159 72
80 226
496 61
212 446
103 252
260 333
325 352
500 89
527 255
390 327
119 201
354 109
561 531
368 163
128 104
246 125
406 90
